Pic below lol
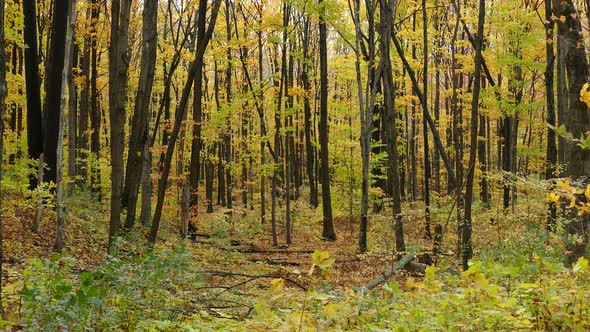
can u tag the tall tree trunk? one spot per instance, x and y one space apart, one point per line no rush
576 119
465 235
3 92
59 233
54 67
551 156
385 35
82 153
72 114
180 111
33 86
328 226
309 153
197 143
427 174
146 185
140 129
95 111
118 66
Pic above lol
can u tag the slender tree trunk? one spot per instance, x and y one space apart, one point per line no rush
146 185
551 156
180 111
95 112
3 92
427 174
328 226
140 128
72 114
196 145
33 86
385 31
54 69
466 246
309 153
83 147
59 233
118 66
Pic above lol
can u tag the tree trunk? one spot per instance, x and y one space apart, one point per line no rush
3 92
328 226
180 111
576 119
72 114
551 156
95 112
427 174
140 129
196 144
54 67
118 66
385 28
59 233
33 86
465 234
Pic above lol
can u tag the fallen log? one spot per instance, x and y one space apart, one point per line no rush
277 262
381 279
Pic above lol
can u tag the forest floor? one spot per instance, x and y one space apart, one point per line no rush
232 278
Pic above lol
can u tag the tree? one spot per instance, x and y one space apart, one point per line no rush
466 227
54 67
33 86
59 234
328 226
180 111
3 91
140 129
576 118
118 66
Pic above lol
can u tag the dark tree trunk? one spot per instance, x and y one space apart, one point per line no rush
328 226
465 234
83 116
118 66
55 63
427 174
551 156
33 86
140 129
309 153
95 111
576 119
3 92
72 114
196 145
180 112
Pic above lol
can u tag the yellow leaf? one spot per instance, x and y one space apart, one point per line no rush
587 193
564 184
277 285
330 310
581 266
585 94
319 256
430 273
572 203
552 198
562 18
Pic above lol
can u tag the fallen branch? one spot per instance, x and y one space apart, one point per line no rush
274 251
398 266
276 261
251 276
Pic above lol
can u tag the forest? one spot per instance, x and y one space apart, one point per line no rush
294 165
